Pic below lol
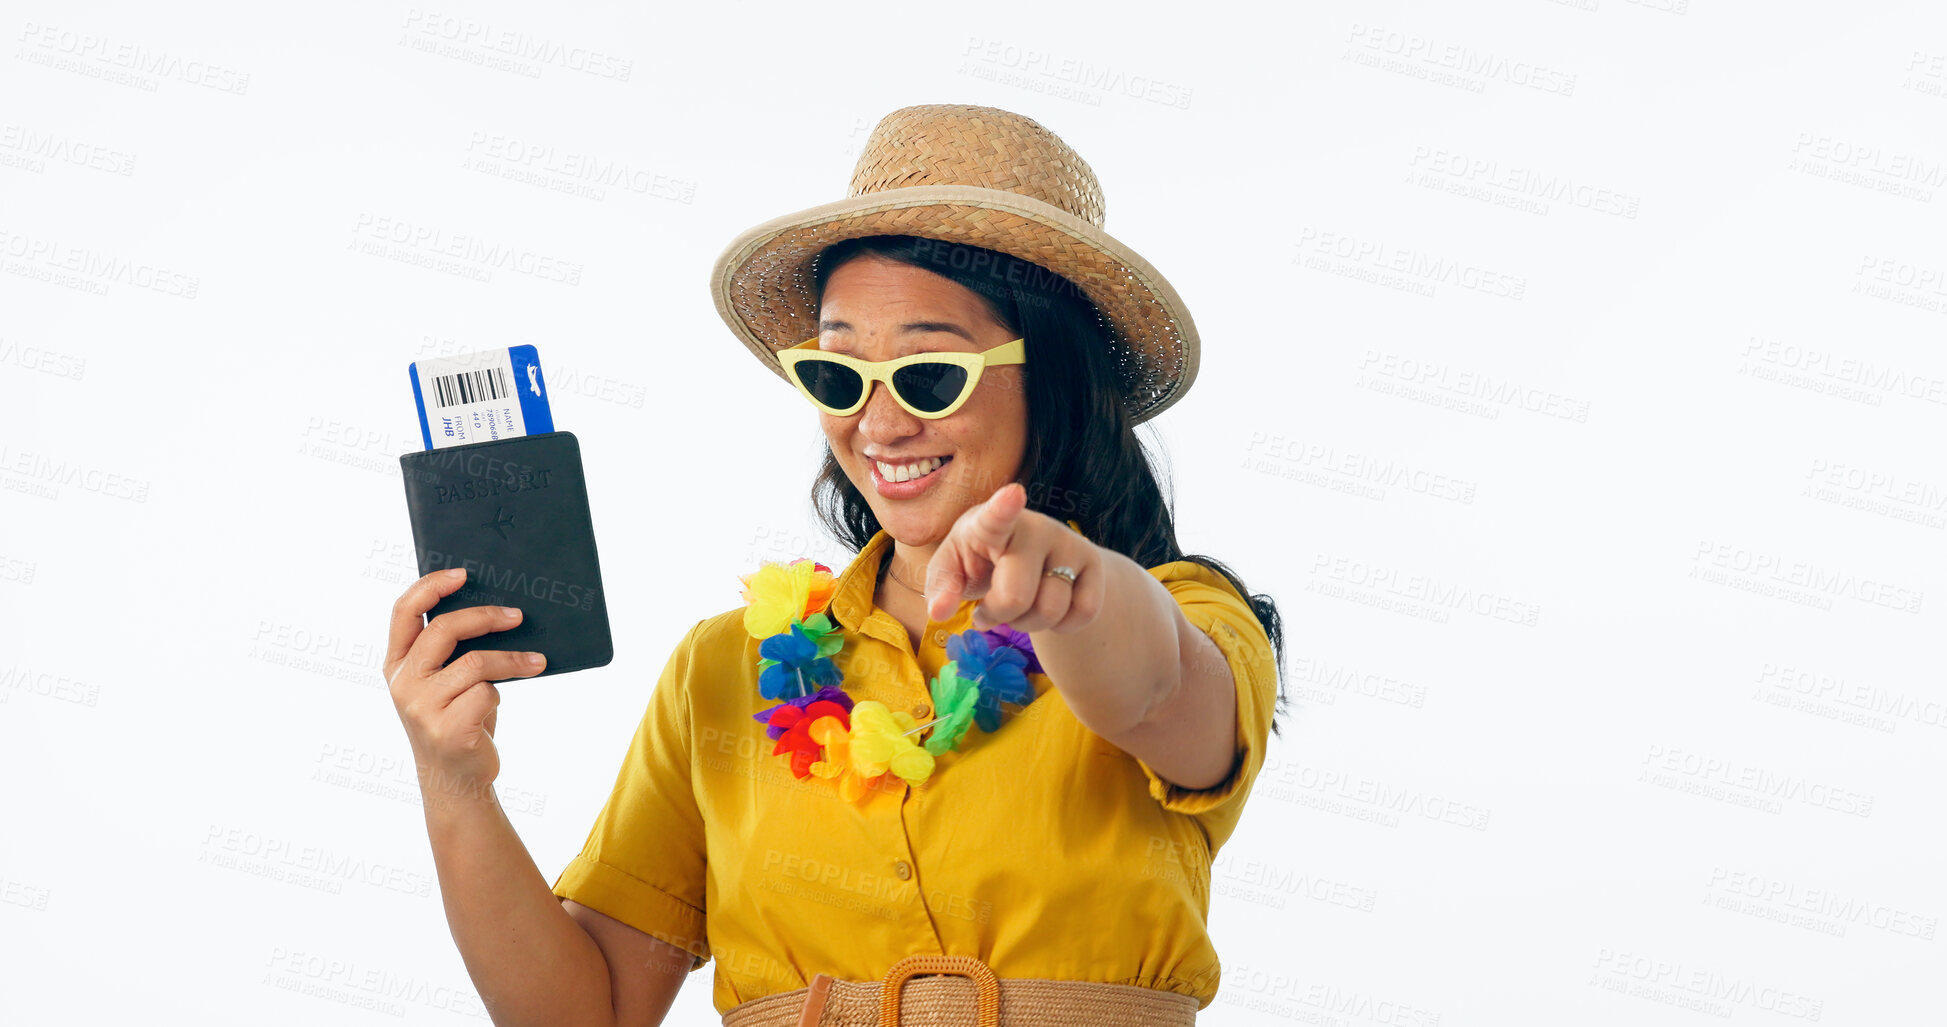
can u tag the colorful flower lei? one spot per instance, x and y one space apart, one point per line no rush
856 744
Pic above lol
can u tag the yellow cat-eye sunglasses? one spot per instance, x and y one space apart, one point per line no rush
928 385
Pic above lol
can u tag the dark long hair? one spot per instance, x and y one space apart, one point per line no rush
1083 460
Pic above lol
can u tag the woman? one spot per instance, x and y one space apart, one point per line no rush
1044 830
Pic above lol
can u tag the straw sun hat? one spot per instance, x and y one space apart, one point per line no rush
975 175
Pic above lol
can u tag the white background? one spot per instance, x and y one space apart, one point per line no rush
1572 377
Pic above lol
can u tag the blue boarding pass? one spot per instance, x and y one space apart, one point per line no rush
478 397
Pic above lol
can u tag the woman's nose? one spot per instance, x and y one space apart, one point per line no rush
882 418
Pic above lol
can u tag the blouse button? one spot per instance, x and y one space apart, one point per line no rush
921 710
903 869
939 638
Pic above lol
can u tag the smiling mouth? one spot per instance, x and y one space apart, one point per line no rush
897 473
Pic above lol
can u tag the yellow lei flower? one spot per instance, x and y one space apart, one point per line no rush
779 593
881 742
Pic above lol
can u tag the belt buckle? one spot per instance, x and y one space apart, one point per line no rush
987 1002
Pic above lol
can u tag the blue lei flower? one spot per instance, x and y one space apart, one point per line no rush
1000 670
793 666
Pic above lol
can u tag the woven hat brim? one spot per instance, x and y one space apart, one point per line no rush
761 282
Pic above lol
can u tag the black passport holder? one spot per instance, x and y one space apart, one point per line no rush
514 513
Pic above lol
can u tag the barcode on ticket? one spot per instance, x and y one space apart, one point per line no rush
451 390
480 397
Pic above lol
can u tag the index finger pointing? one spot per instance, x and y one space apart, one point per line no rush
409 612
945 579
993 526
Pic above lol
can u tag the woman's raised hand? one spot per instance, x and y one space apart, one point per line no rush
449 711
998 552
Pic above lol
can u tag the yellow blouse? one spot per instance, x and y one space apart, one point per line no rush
1040 849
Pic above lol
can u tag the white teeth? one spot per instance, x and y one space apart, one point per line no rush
907 472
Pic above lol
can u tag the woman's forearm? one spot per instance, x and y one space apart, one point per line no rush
1115 670
529 960
1144 678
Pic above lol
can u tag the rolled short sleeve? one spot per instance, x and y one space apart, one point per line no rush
1213 607
644 863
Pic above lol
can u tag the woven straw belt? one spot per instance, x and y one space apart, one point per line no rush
963 992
